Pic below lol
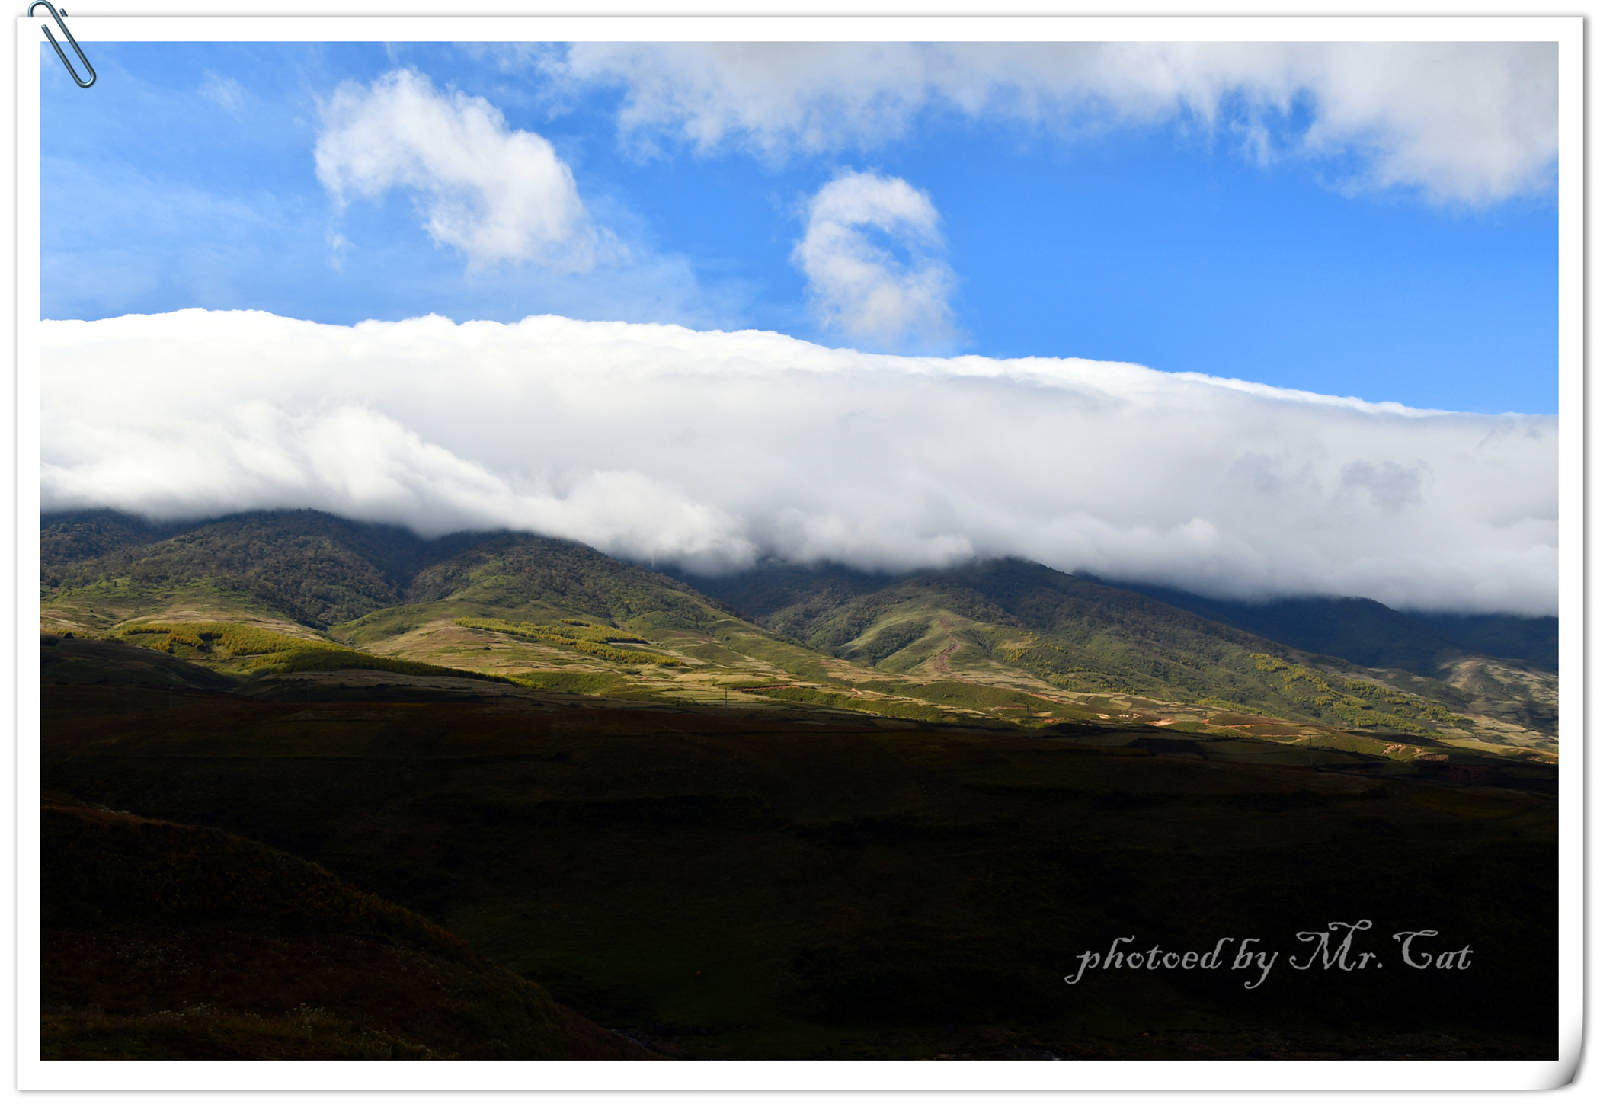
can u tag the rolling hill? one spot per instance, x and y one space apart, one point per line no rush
162 940
270 594
1083 635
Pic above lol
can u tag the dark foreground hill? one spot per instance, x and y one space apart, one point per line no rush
162 940
745 882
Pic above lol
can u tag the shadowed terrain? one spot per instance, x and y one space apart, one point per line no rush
761 881
164 940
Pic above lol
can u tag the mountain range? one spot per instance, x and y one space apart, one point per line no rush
1003 641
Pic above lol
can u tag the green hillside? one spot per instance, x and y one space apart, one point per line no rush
1002 641
1369 633
1089 638
307 566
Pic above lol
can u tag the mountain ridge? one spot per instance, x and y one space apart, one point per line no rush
1371 633
999 639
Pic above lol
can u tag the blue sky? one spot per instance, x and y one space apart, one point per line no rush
1326 223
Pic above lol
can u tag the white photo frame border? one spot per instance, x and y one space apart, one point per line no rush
34 1074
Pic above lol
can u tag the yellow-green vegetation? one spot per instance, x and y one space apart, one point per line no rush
259 650
577 634
576 683
1059 666
330 658
220 640
876 705
1355 702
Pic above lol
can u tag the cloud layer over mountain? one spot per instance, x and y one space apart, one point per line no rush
713 449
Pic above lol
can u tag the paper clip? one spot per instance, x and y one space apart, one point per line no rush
76 49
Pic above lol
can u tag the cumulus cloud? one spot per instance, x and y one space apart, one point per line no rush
1461 123
870 255
712 449
495 194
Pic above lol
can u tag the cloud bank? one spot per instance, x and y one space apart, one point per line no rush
712 449
1462 123
495 194
857 227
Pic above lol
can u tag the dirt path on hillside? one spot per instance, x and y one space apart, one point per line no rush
941 660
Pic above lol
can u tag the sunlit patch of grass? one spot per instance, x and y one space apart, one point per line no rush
580 635
259 650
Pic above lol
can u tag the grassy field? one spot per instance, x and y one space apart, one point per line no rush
728 661
775 881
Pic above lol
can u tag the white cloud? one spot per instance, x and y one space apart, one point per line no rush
495 194
225 92
338 246
712 448
856 281
1462 123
